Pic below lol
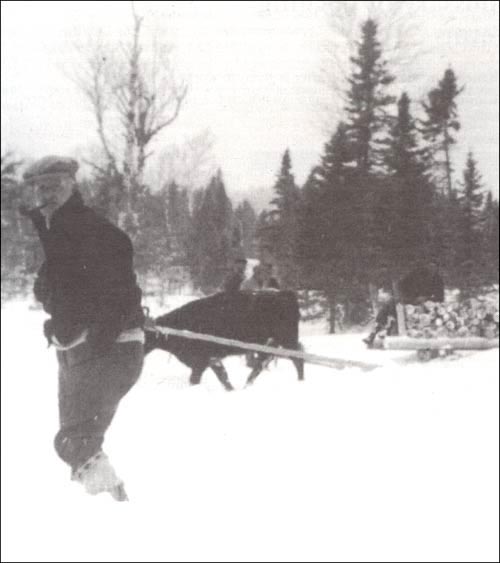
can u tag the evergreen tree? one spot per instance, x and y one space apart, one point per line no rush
330 231
406 202
211 236
369 103
283 228
490 239
104 193
178 221
21 251
194 234
247 223
470 248
12 252
368 121
153 249
439 126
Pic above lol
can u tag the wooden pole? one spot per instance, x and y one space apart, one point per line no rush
401 319
281 352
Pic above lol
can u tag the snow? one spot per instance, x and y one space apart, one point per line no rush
397 464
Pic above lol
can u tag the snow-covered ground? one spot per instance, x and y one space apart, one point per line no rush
397 464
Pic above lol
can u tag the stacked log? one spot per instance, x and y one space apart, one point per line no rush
476 317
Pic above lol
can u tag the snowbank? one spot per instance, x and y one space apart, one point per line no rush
396 464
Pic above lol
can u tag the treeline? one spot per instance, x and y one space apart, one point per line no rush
180 235
383 195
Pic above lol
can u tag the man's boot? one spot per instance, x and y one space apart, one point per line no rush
97 475
370 339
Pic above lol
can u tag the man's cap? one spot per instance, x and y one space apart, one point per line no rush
51 167
239 256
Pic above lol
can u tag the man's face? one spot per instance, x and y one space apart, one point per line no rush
240 267
54 192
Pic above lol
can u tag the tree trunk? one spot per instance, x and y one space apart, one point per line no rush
331 304
447 143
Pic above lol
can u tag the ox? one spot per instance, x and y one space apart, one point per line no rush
262 317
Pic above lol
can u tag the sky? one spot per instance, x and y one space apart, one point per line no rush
253 71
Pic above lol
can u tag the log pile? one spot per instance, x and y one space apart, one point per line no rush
475 317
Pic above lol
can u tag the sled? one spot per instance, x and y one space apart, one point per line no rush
431 347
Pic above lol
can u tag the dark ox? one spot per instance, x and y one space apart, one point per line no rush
261 317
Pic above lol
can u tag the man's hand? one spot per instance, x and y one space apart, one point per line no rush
34 211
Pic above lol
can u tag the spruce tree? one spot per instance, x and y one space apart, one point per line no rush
247 223
329 229
283 230
490 239
368 120
470 248
178 221
406 204
369 102
153 251
439 127
211 236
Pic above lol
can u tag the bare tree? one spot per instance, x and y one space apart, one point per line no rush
134 95
190 164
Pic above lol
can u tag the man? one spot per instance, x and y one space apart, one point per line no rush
422 283
256 281
269 281
88 286
236 276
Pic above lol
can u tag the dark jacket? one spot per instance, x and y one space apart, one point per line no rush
273 283
421 283
233 282
87 280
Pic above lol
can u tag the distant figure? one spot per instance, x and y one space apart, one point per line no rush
256 281
236 276
262 278
423 283
269 282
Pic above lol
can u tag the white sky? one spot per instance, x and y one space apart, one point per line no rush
252 69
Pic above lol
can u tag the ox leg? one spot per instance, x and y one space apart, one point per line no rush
254 373
262 362
221 373
196 374
299 364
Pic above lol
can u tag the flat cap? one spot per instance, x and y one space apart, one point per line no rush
51 166
239 256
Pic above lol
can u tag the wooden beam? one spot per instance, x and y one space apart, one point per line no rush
401 319
336 363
